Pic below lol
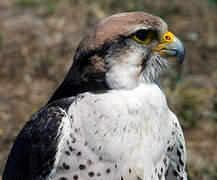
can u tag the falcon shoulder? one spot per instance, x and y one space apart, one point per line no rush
37 148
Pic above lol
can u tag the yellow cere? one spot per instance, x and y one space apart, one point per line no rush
167 37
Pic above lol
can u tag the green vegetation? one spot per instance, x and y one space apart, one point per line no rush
213 2
188 116
27 3
215 111
49 5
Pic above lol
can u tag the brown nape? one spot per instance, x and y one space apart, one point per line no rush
85 75
89 67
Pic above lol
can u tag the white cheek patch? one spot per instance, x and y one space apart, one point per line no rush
125 70
121 77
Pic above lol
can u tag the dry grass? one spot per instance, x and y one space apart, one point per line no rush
38 39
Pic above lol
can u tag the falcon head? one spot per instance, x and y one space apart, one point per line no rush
121 52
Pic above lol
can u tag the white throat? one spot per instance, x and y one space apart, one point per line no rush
124 118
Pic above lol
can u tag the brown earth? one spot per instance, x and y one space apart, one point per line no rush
37 42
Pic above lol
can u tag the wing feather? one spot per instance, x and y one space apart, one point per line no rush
178 154
34 154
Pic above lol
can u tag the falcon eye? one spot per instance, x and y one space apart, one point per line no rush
143 36
167 37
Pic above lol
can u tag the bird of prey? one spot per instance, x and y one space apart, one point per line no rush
109 118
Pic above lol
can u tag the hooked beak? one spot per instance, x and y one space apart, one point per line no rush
175 48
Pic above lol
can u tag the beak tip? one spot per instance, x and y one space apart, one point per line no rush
179 49
182 56
175 48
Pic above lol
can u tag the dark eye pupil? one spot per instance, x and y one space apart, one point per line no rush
167 38
141 35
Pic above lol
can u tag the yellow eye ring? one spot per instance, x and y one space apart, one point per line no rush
143 36
147 40
168 37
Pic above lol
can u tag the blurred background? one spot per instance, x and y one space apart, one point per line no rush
38 39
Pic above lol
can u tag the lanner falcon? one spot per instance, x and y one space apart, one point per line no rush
109 119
